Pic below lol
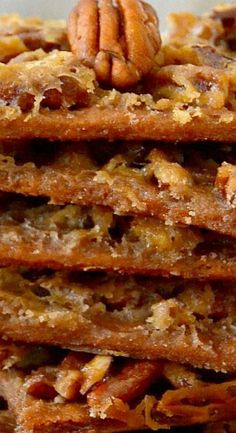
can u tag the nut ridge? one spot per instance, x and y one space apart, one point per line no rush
119 40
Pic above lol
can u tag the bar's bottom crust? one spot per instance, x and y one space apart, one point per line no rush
56 391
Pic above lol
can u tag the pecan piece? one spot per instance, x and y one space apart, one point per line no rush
134 379
119 41
226 13
226 182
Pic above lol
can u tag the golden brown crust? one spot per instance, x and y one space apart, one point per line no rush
120 42
189 95
185 186
117 123
135 317
94 238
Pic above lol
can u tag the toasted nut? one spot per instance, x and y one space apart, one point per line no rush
120 42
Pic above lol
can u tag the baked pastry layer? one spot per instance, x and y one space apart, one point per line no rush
193 186
187 96
94 237
140 317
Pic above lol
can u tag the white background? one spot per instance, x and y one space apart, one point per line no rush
60 8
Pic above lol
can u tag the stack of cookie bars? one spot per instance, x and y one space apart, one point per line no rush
118 221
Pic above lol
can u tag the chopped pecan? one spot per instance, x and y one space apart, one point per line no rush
226 182
224 11
181 376
94 371
68 383
227 16
119 41
41 384
134 378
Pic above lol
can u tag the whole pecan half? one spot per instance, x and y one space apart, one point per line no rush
119 40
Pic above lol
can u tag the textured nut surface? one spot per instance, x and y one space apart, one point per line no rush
226 15
120 42
226 182
224 11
